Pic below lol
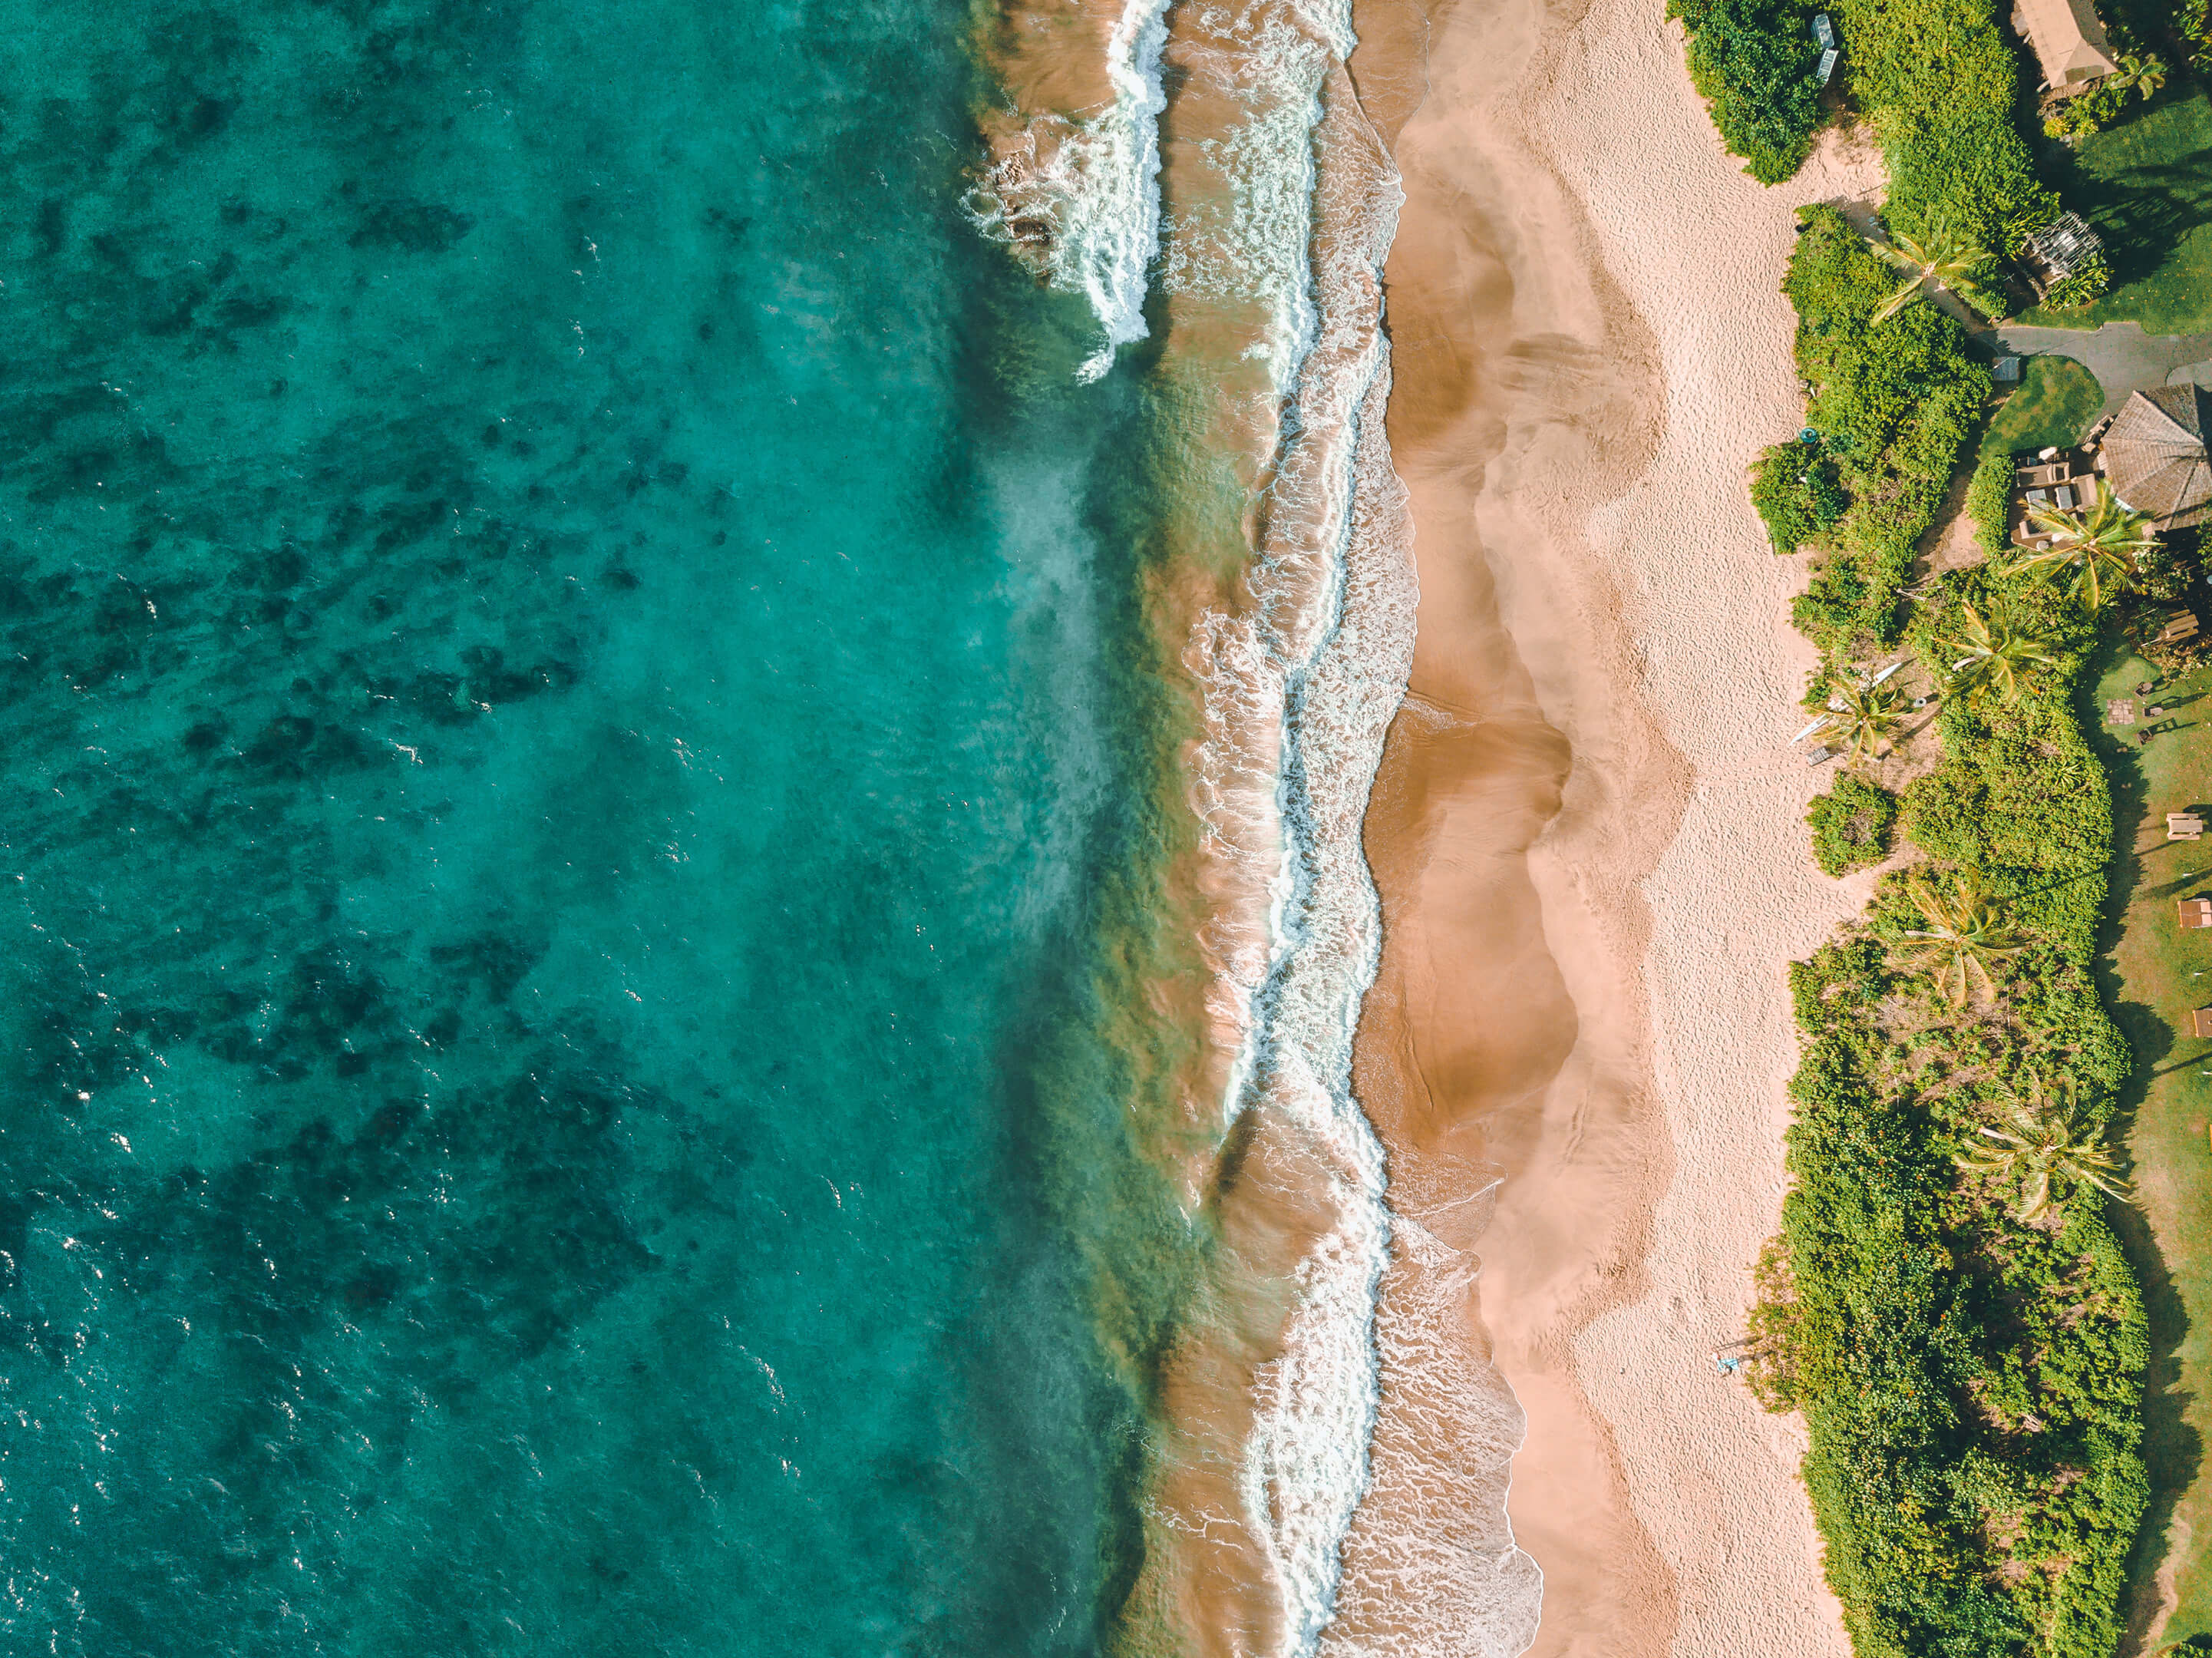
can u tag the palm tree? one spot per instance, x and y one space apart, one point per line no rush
1965 933
1940 256
2146 74
2038 1146
1992 650
1863 715
2097 546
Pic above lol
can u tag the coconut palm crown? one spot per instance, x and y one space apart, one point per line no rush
2095 548
1991 651
2038 1146
1963 934
1940 256
1864 717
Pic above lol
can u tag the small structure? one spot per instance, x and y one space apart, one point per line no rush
2069 43
2183 826
2154 455
2204 1018
2005 370
1823 30
2056 251
2121 711
2195 912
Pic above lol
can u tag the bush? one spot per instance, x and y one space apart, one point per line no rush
1988 503
1937 80
1852 824
1755 62
1972 1385
1893 402
2090 280
1799 494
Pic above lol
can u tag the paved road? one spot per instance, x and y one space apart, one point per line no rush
2120 355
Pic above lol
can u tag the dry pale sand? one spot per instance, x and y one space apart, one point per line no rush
1588 833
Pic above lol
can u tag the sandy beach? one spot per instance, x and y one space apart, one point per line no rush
1587 834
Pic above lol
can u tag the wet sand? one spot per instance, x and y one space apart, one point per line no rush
1588 836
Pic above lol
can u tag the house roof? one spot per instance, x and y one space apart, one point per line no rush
2069 40
2154 456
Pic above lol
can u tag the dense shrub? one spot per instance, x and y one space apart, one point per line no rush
2089 281
1971 1383
1754 62
1938 80
1893 401
1799 493
1989 501
1852 824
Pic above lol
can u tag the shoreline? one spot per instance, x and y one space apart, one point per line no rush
1587 835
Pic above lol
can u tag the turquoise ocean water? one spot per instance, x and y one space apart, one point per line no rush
573 739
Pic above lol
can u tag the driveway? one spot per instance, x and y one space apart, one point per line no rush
2120 355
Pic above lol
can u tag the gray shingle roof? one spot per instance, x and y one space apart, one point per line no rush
2155 455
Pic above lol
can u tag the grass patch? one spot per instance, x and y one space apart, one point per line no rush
2155 973
2147 186
2056 400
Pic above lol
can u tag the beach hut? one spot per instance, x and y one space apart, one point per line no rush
2154 455
2195 912
2069 43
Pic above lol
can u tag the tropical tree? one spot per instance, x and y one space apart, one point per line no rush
1942 256
2038 1146
1863 716
2096 548
1962 935
1992 650
2146 74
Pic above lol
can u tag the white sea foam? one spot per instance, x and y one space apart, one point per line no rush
1081 195
1301 688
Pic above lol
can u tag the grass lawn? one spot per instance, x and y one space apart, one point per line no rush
2056 400
2153 974
2146 186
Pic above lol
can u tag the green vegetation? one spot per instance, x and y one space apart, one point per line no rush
1989 500
1947 1303
2095 550
1938 82
1893 402
1971 1378
2146 186
2156 973
2056 400
1991 652
1755 61
2052 406
1852 824
1943 258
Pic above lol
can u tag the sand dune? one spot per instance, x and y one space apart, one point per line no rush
1587 836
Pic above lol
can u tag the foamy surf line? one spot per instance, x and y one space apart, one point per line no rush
1300 682
1080 197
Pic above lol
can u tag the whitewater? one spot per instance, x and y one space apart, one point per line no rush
1300 678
